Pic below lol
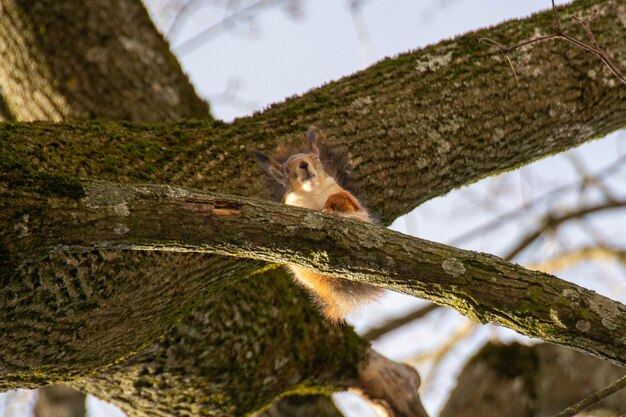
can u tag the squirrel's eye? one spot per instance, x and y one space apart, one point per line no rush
286 170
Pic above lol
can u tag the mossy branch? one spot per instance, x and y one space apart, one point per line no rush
165 218
413 127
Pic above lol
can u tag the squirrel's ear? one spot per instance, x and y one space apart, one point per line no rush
311 135
270 165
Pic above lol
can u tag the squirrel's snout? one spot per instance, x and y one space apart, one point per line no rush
304 164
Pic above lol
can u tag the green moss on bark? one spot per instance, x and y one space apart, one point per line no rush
275 359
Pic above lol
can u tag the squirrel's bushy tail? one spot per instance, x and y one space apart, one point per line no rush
337 297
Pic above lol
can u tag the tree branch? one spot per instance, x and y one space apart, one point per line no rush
552 221
223 25
393 324
596 177
165 218
443 116
391 387
593 398
575 256
515 380
560 34
84 65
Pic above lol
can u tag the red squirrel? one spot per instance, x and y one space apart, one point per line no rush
307 184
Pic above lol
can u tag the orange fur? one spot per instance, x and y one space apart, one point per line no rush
337 297
342 202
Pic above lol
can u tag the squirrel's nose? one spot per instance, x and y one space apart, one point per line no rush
304 164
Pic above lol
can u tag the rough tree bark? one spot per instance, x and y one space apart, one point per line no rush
118 217
105 60
90 60
445 116
61 61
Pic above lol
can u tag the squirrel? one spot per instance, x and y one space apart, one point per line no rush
307 184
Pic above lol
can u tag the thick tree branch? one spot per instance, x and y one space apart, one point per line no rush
106 61
90 60
391 387
197 367
414 127
166 218
301 406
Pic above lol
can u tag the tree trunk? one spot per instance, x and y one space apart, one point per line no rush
90 60
413 127
228 358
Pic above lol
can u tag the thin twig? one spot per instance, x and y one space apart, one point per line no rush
551 221
391 325
362 33
593 398
503 219
465 330
178 18
557 21
588 180
559 33
226 23
585 23
503 49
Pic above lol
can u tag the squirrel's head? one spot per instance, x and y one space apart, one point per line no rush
302 171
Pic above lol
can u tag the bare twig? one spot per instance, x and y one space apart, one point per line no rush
232 96
609 170
551 221
557 21
462 332
360 27
396 323
174 28
559 33
224 24
589 180
440 351
593 398
585 25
